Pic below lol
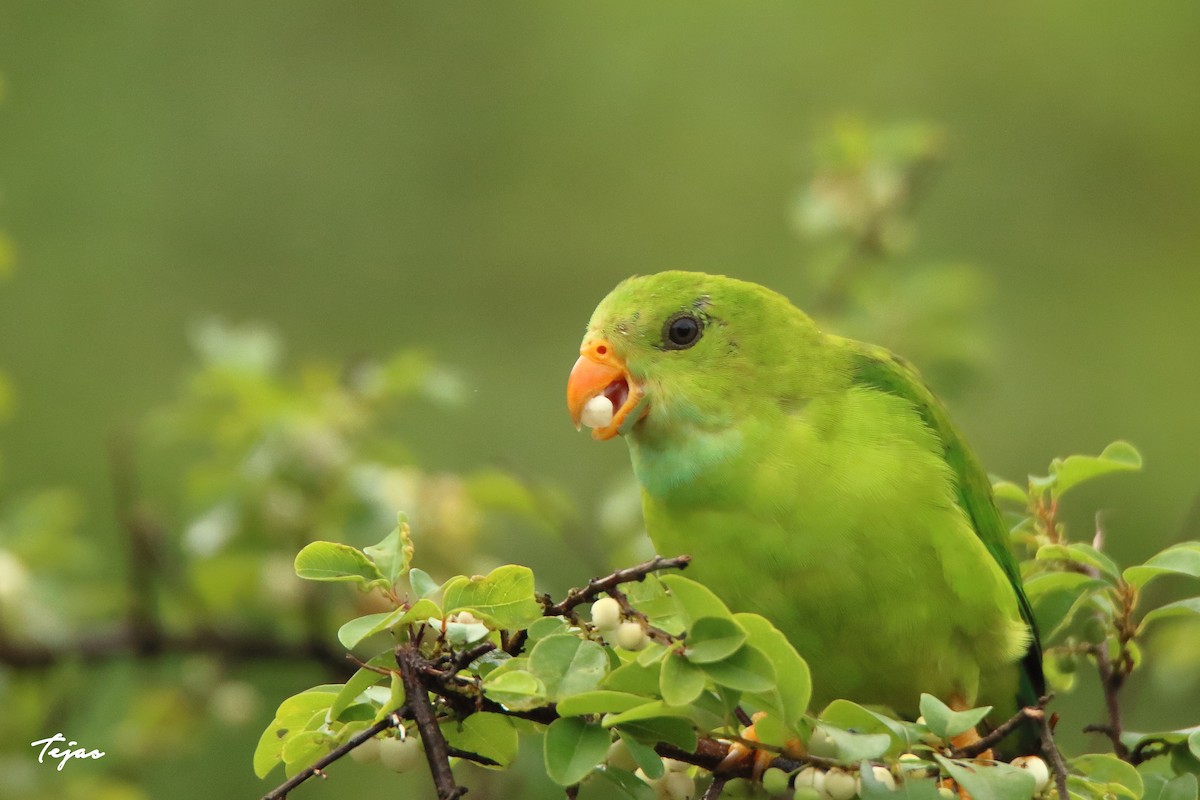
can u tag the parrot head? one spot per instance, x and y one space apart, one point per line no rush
684 350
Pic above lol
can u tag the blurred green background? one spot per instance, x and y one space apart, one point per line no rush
471 178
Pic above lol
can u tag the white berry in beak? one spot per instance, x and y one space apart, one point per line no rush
598 412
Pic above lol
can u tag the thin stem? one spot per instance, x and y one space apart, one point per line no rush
392 720
1002 730
715 788
1050 750
597 586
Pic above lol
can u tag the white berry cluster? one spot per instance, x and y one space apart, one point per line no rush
627 634
835 783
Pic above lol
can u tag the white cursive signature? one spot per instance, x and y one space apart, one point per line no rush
65 755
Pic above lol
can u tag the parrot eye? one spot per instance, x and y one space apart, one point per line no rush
681 332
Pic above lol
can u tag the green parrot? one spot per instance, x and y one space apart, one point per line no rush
817 481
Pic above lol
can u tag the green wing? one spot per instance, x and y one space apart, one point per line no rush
878 368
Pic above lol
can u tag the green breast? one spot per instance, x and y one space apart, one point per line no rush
839 523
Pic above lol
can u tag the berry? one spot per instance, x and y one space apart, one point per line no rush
631 636
619 756
598 412
400 755
1037 768
840 784
366 752
606 614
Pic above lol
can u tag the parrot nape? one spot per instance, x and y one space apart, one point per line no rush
816 481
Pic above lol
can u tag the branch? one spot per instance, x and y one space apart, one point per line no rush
392 720
124 641
1035 713
597 586
1050 750
436 752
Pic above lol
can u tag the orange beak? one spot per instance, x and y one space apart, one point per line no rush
600 371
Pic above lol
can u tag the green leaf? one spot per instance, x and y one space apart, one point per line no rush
1180 559
850 748
568 665
269 751
1116 776
303 749
1007 490
656 722
1180 608
680 682
422 584
853 717
1080 554
600 701
1132 739
360 628
662 609
331 561
1056 609
359 682
945 723
712 639
486 734
672 730
1070 472
505 597
650 761
318 698
515 689
747 670
695 599
546 626
794 687
394 554
1059 580
770 730
1160 787
619 785
634 678
991 781
572 748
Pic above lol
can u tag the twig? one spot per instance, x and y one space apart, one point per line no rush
1050 750
464 659
709 754
122 642
715 788
597 586
1002 730
392 720
1147 749
436 752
